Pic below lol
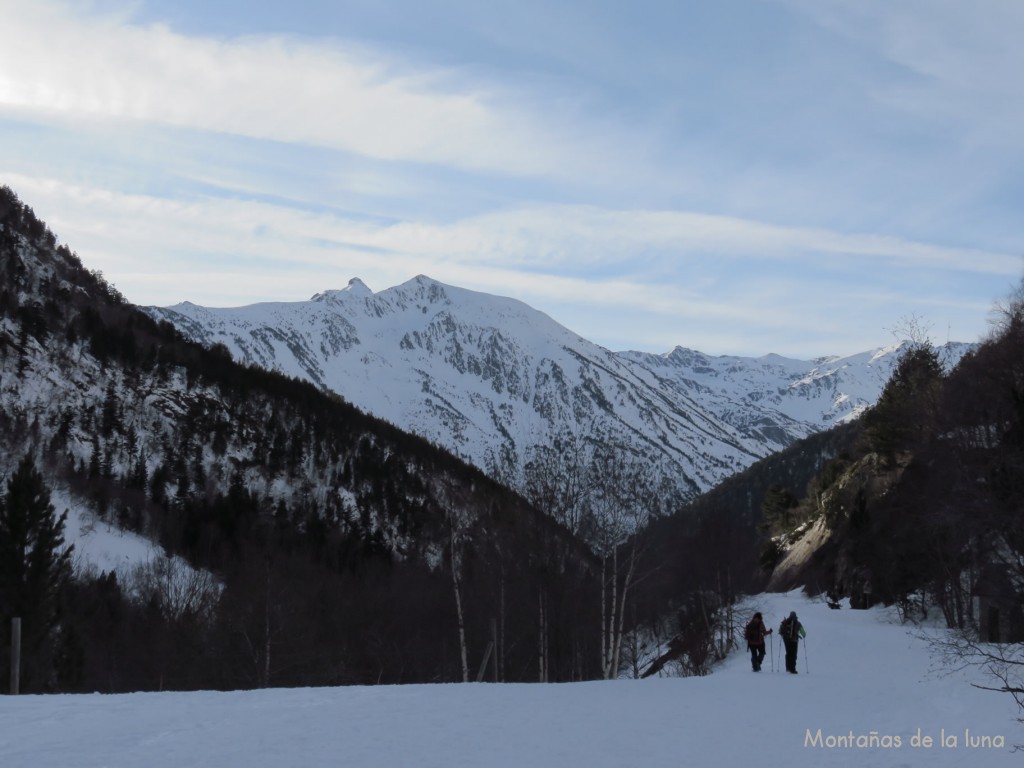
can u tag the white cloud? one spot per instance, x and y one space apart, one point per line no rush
550 238
579 264
644 189
558 236
341 96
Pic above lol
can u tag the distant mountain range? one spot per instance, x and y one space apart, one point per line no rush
490 378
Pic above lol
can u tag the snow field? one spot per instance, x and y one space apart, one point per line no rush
866 675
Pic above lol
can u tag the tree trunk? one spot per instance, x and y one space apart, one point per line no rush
499 661
611 616
15 655
542 640
265 674
626 583
458 609
604 617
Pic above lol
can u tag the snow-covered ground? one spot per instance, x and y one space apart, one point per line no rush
99 545
864 679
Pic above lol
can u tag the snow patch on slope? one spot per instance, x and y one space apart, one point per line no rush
99 545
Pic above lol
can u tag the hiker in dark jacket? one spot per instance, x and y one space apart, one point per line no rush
755 633
791 631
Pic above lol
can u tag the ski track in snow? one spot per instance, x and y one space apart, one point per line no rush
862 674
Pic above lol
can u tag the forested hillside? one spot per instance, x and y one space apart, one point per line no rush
308 543
323 546
928 511
696 563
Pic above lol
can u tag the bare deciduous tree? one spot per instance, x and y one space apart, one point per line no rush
1001 663
176 587
624 496
456 527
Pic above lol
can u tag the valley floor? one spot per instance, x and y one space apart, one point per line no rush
863 677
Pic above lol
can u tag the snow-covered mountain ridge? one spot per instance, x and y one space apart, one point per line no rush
490 378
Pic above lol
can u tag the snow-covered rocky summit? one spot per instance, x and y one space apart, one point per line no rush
489 377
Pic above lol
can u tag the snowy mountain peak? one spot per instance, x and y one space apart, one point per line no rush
358 289
492 379
426 289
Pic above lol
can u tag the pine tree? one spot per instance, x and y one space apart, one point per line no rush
777 506
907 407
34 566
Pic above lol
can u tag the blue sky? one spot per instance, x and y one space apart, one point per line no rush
739 177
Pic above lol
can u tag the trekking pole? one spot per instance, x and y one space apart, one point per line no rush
772 636
806 665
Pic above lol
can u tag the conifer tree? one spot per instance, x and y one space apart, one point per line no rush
34 566
907 406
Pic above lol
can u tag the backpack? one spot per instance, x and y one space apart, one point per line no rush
791 629
787 629
753 632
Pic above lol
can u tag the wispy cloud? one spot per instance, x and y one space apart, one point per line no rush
338 95
228 251
671 176
550 237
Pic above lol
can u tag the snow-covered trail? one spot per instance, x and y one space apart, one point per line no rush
865 675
